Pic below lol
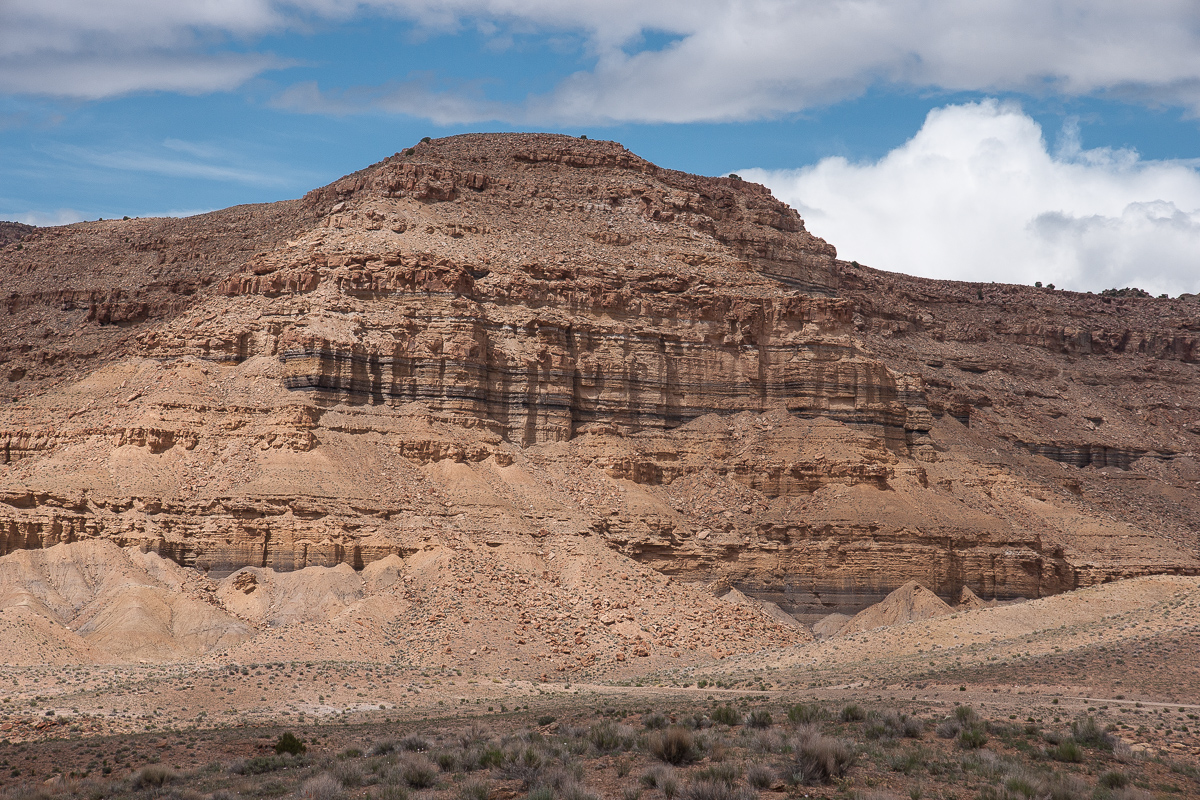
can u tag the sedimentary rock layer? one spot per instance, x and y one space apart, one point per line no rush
524 341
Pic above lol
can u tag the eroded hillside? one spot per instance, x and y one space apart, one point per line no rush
517 343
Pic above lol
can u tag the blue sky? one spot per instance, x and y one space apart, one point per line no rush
1021 140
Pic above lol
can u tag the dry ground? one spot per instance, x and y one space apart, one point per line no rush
1124 654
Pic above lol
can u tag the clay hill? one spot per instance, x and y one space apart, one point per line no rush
543 371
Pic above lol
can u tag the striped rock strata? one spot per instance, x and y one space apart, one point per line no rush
513 343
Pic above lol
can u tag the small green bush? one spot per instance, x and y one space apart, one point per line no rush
609 737
654 722
972 738
288 743
801 714
1114 780
759 719
726 715
1068 750
852 712
908 761
1088 732
966 715
260 765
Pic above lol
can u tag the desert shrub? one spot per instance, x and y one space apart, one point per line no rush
390 792
852 712
966 715
820 759
475 734
475 789
415 744
908 761
760 776
654 777
720 773
1087 731
949 728
154 776
446 761
288 743
350 752
654 722
674 745
631 792
894 725
418 772
802 714
608 737
523 764
972 738
715 790
490 756
563 784
767 742
1066 787
726 715
347 773
541 793
321 787
1017 783
1067 750
383 747
759 719
260 765
545 719
1025 784
1114 780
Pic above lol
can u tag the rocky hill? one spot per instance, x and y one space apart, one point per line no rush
519 348
14 232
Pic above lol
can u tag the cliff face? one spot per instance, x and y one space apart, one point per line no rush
508 342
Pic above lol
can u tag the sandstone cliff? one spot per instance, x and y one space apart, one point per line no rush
513 343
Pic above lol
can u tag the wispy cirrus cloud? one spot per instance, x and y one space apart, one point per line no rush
977 194
178 159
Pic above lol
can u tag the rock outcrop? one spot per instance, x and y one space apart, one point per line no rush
521 342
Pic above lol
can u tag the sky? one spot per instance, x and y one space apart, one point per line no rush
991 140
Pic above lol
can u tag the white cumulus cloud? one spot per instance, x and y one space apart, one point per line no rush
977 195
